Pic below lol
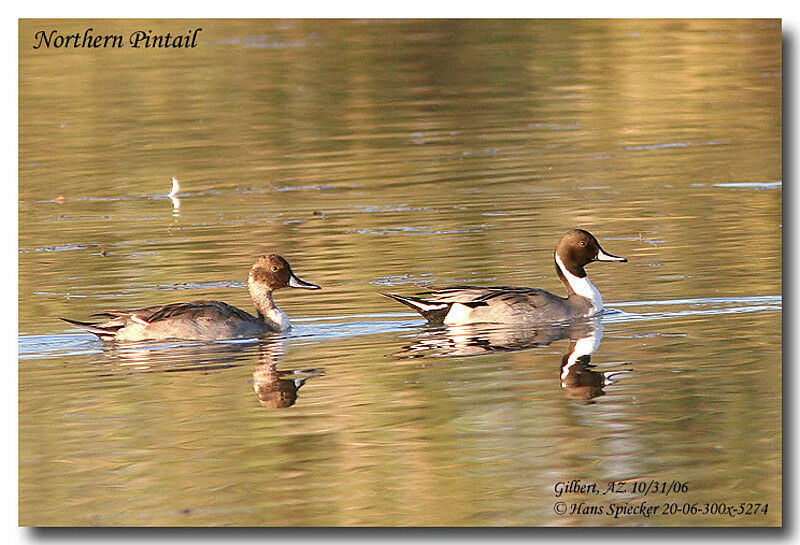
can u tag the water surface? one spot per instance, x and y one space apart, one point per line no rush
387 156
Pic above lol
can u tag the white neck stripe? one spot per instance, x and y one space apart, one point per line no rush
582 287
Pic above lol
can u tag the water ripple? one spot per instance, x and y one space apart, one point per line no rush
320 329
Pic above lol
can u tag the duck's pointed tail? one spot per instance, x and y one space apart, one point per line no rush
102 332
432 311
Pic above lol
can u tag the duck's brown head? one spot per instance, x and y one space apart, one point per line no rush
273 272
577 249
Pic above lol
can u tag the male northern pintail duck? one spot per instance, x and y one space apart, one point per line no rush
459 305
207 320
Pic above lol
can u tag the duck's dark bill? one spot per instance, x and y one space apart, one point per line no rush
295 282
602 256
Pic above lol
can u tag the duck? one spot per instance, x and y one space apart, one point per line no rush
206 320
463 305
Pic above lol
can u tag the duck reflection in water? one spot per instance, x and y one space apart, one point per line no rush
578 379
278 389
275 389
577 376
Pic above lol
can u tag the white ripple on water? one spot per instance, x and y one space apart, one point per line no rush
751 185
697 307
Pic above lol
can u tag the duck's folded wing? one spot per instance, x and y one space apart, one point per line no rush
189 310
196 309
473 295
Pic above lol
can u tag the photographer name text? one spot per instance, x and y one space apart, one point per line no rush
633 502
139 39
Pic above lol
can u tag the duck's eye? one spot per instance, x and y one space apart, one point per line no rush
583 243
274 268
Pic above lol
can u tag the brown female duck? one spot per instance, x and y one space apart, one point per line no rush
206 320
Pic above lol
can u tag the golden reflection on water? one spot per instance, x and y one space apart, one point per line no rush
398 153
